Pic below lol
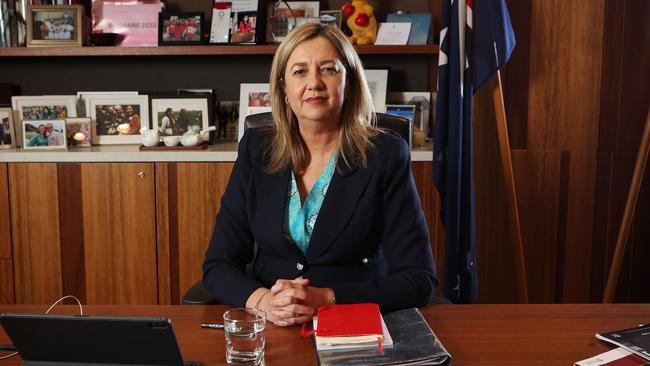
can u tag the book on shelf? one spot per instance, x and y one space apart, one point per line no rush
635 340
409 340
616 357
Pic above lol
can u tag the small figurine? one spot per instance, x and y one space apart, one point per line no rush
361 22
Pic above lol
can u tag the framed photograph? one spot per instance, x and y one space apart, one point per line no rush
41 107
244 24
228 120
282 19
331 17
175 116
253 99
378 83
180 29
83 96
423 108
7 135
44 134
54 25
402 110
117 119
79 131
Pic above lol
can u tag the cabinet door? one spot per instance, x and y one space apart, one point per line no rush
33 192
188 201
6 268
119 233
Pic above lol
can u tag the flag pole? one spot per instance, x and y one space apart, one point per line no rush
628 214
511 194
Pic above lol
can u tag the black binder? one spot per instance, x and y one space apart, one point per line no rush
92 340
414 343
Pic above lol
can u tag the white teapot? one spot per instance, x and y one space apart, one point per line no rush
150 137
192 138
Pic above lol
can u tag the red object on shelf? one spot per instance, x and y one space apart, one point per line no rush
348 9
362 20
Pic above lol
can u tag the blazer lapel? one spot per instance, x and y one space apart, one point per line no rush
340 202
271 193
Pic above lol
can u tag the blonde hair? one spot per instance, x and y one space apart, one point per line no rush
357 116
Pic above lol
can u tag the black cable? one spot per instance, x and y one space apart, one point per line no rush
7 347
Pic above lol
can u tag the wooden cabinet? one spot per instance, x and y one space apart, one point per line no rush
33 192
119 233
6 264
82 229
188 200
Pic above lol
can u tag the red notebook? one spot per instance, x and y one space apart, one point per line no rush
350 324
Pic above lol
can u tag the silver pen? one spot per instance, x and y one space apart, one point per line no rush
212 325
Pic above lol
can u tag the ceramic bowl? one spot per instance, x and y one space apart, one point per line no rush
171 140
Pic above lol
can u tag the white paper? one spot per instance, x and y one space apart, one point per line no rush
220 25
393 34
387 341
605 358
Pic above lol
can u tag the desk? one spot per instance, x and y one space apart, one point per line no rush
545 334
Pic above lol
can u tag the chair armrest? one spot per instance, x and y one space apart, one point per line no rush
198 295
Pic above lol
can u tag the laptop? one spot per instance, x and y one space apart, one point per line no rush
92 340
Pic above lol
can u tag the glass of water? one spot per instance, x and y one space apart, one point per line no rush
245 331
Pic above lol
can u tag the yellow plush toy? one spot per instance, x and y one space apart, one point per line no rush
361 22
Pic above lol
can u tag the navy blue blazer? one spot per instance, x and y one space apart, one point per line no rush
370 242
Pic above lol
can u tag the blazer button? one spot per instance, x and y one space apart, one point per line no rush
300 266
365 260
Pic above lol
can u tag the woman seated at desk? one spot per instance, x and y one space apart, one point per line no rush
329 199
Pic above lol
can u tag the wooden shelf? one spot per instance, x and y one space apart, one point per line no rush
215 50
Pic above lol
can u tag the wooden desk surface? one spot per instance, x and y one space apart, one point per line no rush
545 334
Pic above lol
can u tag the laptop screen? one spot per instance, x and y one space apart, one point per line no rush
107 340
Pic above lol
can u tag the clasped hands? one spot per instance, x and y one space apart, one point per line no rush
290 302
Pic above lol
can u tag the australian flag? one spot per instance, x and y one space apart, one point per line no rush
460 73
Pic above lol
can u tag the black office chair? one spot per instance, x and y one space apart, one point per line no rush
199 295
400 125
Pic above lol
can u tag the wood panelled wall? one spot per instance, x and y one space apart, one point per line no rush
576 93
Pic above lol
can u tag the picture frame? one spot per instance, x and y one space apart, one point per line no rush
83 96
401 110
227 120
377 83
33 107
44 134
55 25
117 119
331 17
281 19
177 28
7 129
424 103
176 115
79 131
253 99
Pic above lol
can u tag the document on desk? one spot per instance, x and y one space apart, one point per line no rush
636 340
414 343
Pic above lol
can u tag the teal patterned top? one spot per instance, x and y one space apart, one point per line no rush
299 221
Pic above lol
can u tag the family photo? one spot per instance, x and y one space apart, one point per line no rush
44 112
6 128
78 131
181 29
54 25
118 119
44 134
177 122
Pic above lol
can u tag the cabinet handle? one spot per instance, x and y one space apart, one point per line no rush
141 175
